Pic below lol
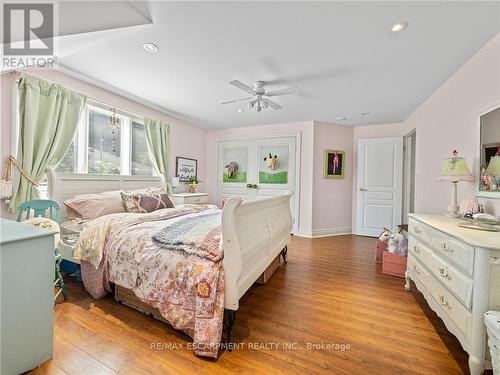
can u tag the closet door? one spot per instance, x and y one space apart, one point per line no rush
275 163
269 164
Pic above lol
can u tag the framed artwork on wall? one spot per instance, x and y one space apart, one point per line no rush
333 164
235 160
273 164
186 169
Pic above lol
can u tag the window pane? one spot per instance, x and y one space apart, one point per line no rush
68 163
141 165
102 158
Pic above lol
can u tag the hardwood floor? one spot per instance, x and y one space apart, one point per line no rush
330 292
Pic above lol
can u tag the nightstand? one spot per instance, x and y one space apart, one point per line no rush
189 198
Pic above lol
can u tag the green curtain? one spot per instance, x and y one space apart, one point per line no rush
48 117
158 137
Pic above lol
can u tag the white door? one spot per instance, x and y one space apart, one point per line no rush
379 190
249 156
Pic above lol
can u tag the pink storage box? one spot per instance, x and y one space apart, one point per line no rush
380 247
393 264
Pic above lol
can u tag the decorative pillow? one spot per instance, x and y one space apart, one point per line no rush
146 202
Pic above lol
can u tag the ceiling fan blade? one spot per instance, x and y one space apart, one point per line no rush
272 104
243 87
288 91
238 100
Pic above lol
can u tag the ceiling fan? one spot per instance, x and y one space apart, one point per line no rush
260 97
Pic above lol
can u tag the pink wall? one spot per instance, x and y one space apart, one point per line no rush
186 140
447 121
332 198
306 164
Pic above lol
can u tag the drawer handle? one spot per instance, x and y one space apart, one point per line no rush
446 247
416 249
444 273
416 270
444 302
417 230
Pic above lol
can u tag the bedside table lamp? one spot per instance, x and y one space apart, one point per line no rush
175 183
455 169
494 169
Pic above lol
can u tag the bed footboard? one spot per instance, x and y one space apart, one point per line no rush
254 232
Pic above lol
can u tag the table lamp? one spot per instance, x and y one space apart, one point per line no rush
493 168
455 169
175 183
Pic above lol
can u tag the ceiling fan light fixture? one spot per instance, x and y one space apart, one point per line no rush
398 27
150 47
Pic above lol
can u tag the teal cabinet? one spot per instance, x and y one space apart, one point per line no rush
27 307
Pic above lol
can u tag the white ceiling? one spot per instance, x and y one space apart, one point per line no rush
339 54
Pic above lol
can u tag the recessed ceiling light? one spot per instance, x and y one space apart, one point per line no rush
150 47
398 27
365 113
240 110
341 118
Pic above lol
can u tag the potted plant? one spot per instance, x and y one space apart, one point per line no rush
193 184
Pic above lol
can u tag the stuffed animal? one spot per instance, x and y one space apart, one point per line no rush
402 246
393 242
386 234
271 161
232 169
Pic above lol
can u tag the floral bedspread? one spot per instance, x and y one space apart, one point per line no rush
187 290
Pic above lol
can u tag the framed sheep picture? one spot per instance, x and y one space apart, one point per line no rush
333 164
235 160
186 169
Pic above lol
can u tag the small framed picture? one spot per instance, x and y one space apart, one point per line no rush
333 164
186 169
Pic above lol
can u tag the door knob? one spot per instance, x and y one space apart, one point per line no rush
362 189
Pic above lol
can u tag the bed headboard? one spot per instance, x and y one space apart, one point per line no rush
62 186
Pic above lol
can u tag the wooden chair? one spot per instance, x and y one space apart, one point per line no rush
49 209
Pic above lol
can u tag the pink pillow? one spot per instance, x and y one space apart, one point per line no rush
91 206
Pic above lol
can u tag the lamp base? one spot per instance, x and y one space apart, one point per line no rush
452 212
453 206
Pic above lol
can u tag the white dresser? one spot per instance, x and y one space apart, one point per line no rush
27 296
458 272
189 198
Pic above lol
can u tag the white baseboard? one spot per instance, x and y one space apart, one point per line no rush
324 232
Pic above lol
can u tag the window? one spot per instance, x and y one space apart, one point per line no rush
96 150
103 146
68 164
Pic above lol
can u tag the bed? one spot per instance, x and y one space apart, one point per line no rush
253 232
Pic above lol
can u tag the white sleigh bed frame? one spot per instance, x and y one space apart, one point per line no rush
255 232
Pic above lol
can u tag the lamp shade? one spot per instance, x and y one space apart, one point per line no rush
494 166
455 169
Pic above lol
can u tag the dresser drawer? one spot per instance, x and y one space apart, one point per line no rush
196 200
420 231
458 252
455 280
449 304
